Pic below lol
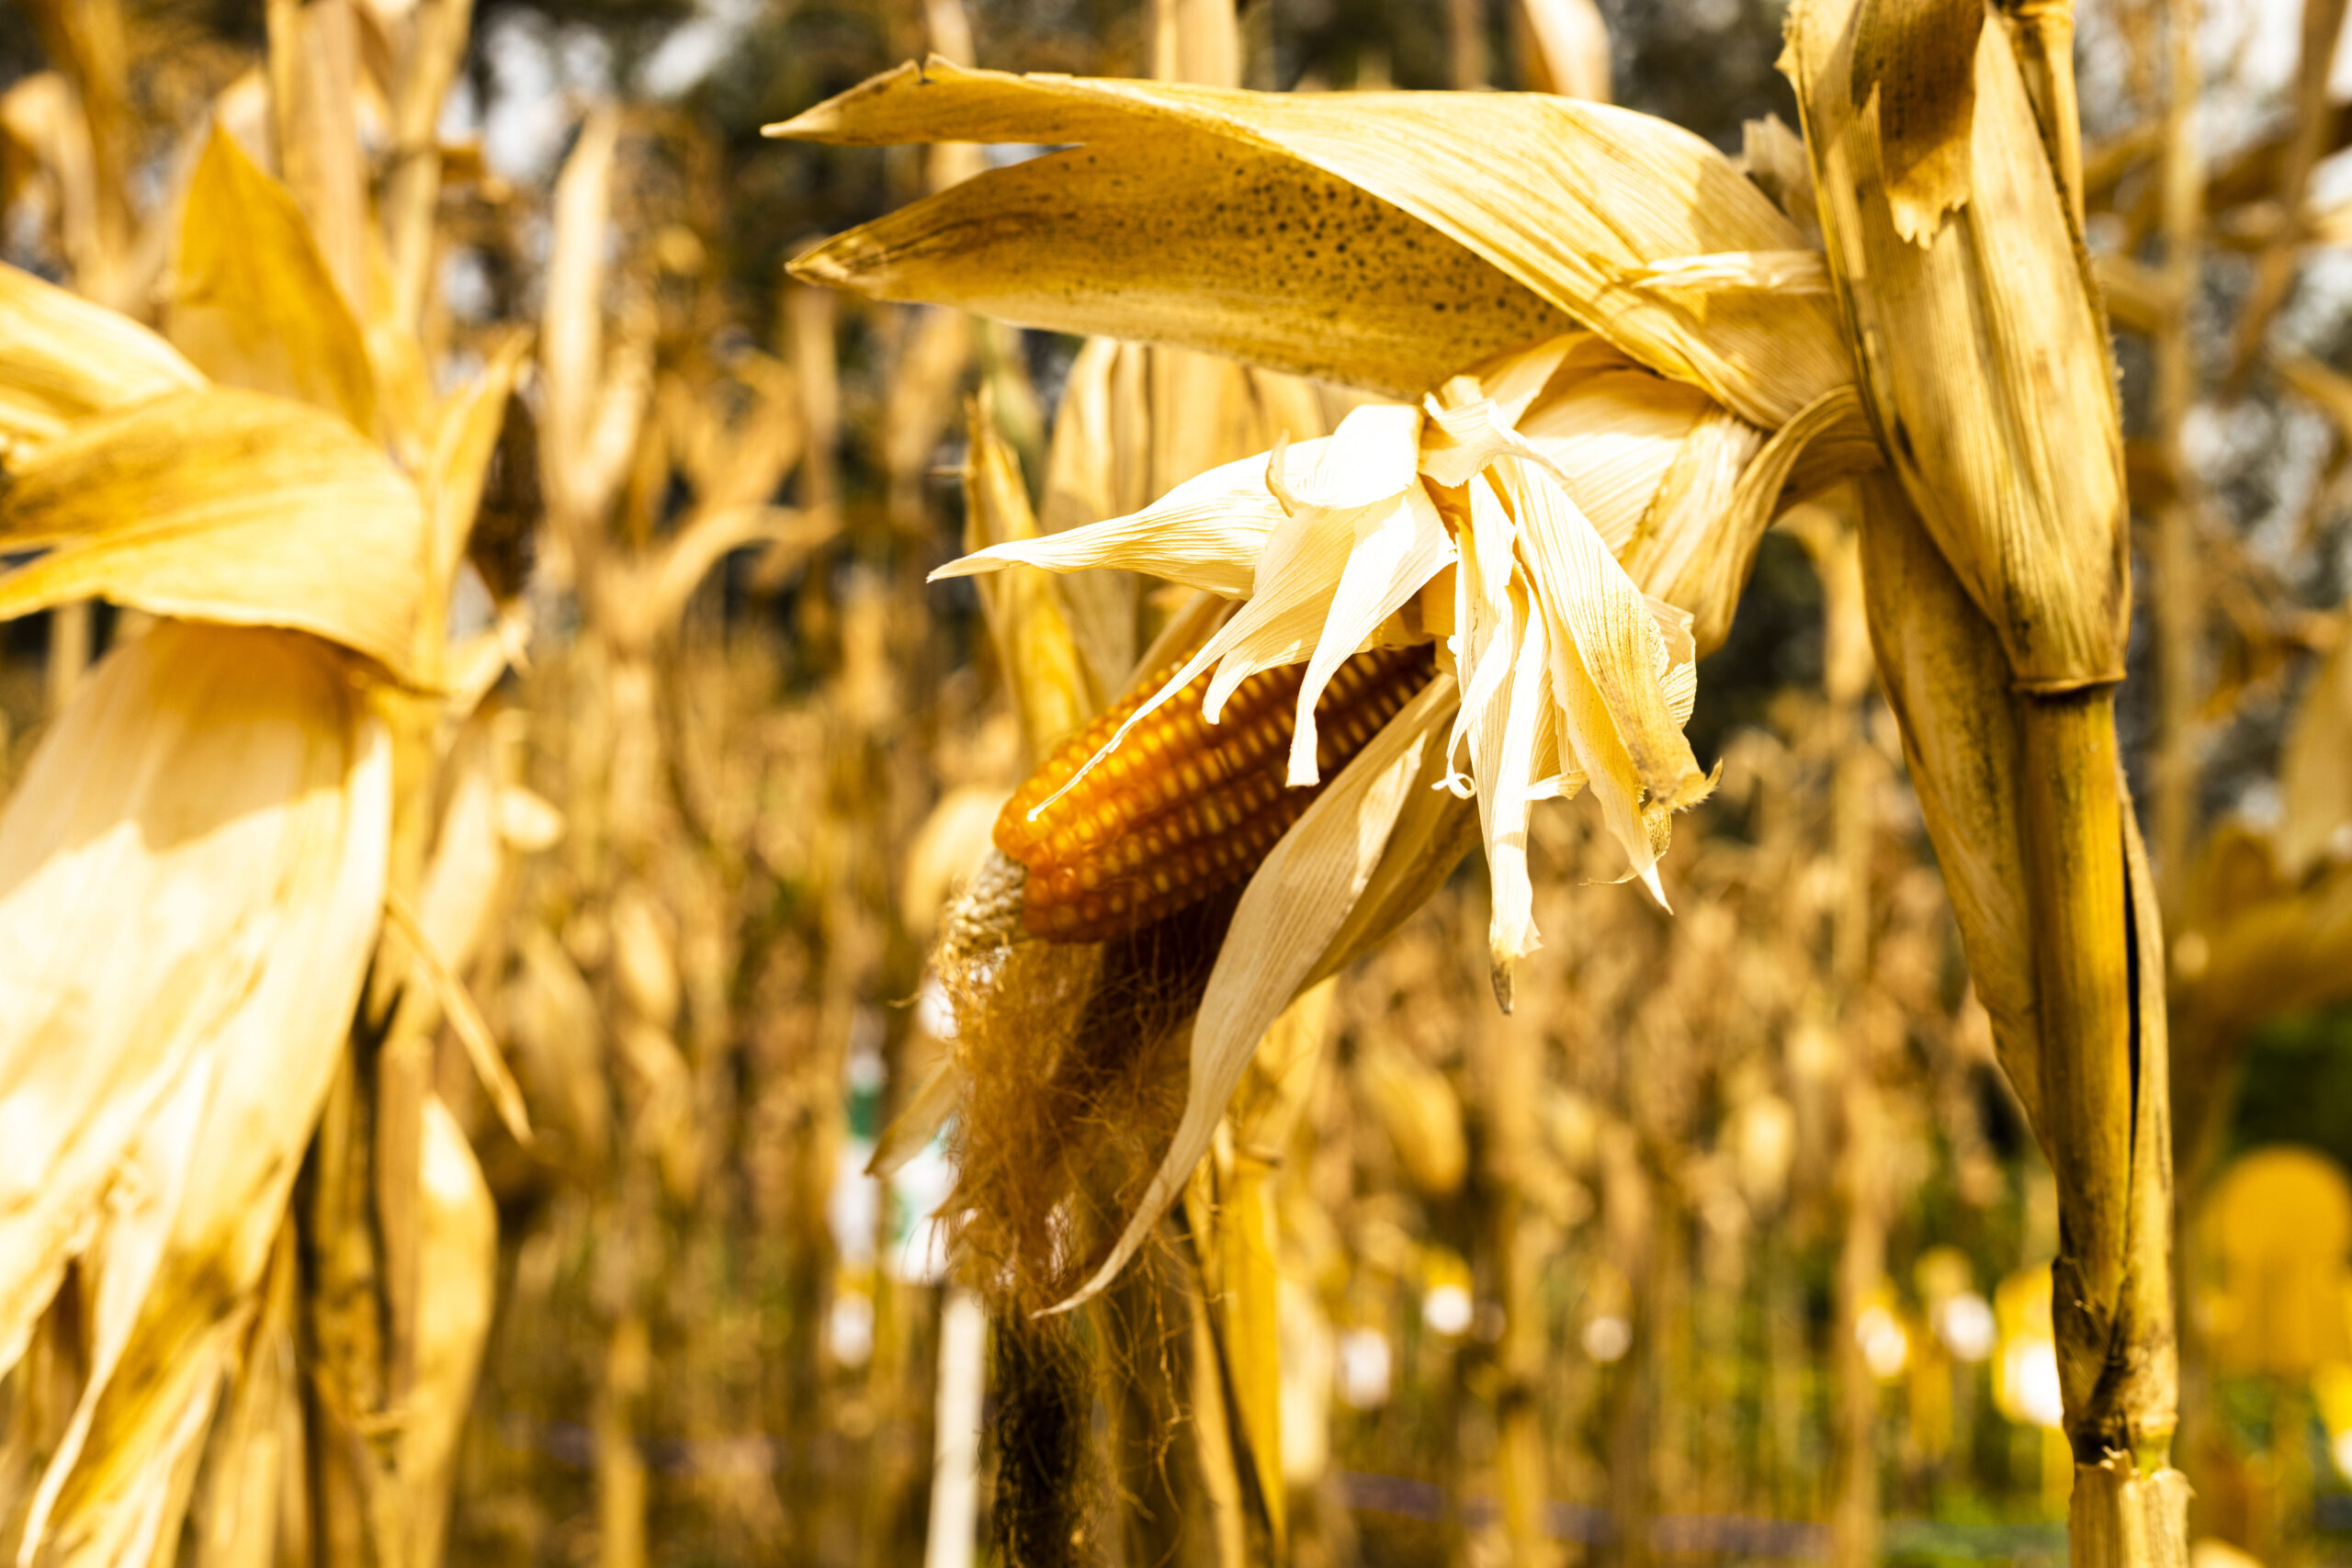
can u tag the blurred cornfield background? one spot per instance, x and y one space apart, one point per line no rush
1730 1242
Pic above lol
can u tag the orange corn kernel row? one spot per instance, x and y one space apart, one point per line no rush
1185 808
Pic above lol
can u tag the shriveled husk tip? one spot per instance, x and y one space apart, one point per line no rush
1983 353
191 874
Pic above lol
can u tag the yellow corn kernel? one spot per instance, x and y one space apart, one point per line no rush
1190 808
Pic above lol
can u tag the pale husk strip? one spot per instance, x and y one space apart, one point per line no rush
1043 669
1297 902
226 506
62 358
223 786
1567 198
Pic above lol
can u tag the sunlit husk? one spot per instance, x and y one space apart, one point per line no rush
62 358
226 790
1512 214
225 506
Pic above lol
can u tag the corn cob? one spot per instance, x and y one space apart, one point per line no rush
1184 809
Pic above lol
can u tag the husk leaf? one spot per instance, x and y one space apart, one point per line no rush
1369 219
227 506
62 358
1984 356
221 790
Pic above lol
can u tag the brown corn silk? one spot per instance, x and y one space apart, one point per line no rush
1184 809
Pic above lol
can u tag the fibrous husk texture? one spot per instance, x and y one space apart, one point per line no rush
1074 1058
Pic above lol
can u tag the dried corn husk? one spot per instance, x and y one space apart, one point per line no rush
223 788
1096 467
2316 823
253 1459
1052 690
227 506
1420 1113
62 358
1982 349
1512 215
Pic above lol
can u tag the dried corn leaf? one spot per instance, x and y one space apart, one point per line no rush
190 881
1421 1114
463 444
571 348
1385 239
222 505
255 306
559 1041
240 1500
1082 486
62 358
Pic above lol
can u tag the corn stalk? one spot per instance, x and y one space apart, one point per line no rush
1946 159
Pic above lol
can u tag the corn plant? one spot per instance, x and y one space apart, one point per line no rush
1406 244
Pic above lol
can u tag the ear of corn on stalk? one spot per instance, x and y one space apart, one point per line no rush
1182 810
1286 920
1512 543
